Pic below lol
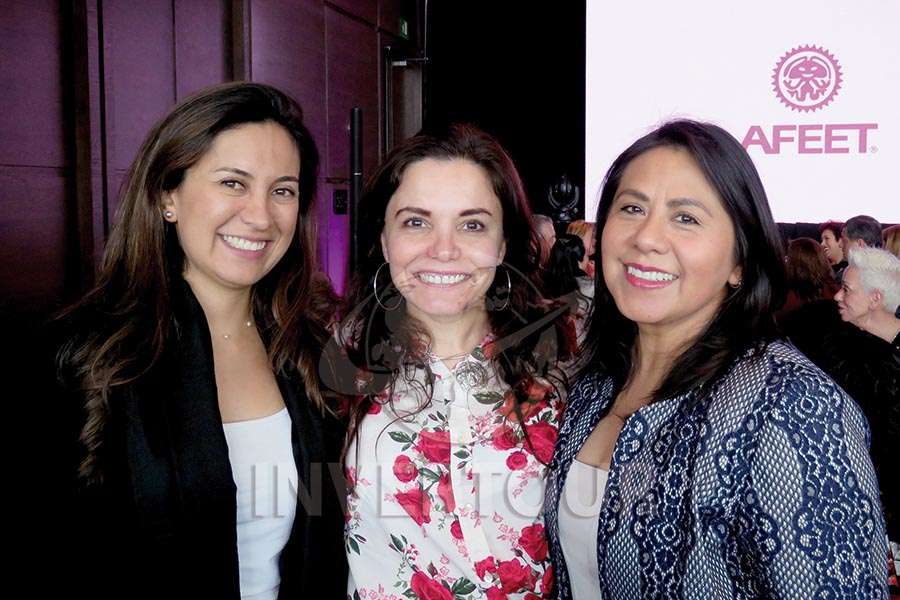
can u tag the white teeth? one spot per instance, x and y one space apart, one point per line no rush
441 279
242 244
650 275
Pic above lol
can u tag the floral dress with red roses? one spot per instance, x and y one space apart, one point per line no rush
445 502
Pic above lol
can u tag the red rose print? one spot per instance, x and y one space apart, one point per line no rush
496 594
417 505
531 597
483 567
350 475
456 530
427 588
528 408
445 492
375 408
537 390
504 438
543 438
515 576
435 446
516 461
534 542
547 582
404 469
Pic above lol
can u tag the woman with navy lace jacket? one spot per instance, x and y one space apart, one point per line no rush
700 457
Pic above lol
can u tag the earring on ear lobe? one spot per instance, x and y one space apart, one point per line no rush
168 214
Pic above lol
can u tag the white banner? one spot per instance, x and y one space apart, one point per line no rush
811 89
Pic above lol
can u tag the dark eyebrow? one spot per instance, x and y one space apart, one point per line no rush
475 211
244 173
673 203
415 210
234 170
679 202
639 195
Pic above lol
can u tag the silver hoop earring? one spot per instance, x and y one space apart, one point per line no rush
375 291
508 290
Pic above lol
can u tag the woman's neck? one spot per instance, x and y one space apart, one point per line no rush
226 311
451 339
882 324
655 352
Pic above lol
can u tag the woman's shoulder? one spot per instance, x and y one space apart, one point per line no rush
589 385
786 381
773 358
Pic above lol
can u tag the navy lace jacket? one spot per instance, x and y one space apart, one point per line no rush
764 490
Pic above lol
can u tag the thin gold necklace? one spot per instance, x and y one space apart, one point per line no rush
248 323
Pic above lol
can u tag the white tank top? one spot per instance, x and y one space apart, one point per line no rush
262 464
579 510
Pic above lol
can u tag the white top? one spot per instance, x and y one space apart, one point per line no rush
262 463
450 497
579 512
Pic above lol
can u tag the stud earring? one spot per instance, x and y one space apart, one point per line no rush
168 214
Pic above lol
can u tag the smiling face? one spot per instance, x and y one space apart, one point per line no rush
236 208
668 246
832 247
443 238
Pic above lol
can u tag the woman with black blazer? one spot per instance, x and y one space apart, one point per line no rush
200 441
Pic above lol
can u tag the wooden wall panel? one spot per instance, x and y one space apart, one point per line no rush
136 98
352 72
33 237
352 59
389 13
32 119
34 162
288 51
367 10
202 44
91 219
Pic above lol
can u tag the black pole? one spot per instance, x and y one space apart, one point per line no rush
356 182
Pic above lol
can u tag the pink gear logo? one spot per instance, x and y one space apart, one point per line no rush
807 78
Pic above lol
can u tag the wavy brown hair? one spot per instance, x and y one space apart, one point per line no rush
808 273
126 322
383 345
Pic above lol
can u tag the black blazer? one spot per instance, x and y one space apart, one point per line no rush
163 522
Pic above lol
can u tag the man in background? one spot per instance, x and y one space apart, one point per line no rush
860 232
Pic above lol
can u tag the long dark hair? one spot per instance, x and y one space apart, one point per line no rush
383 343
143 262
744 320
808 273
562 268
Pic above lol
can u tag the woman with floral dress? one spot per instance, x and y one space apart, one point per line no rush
458 367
